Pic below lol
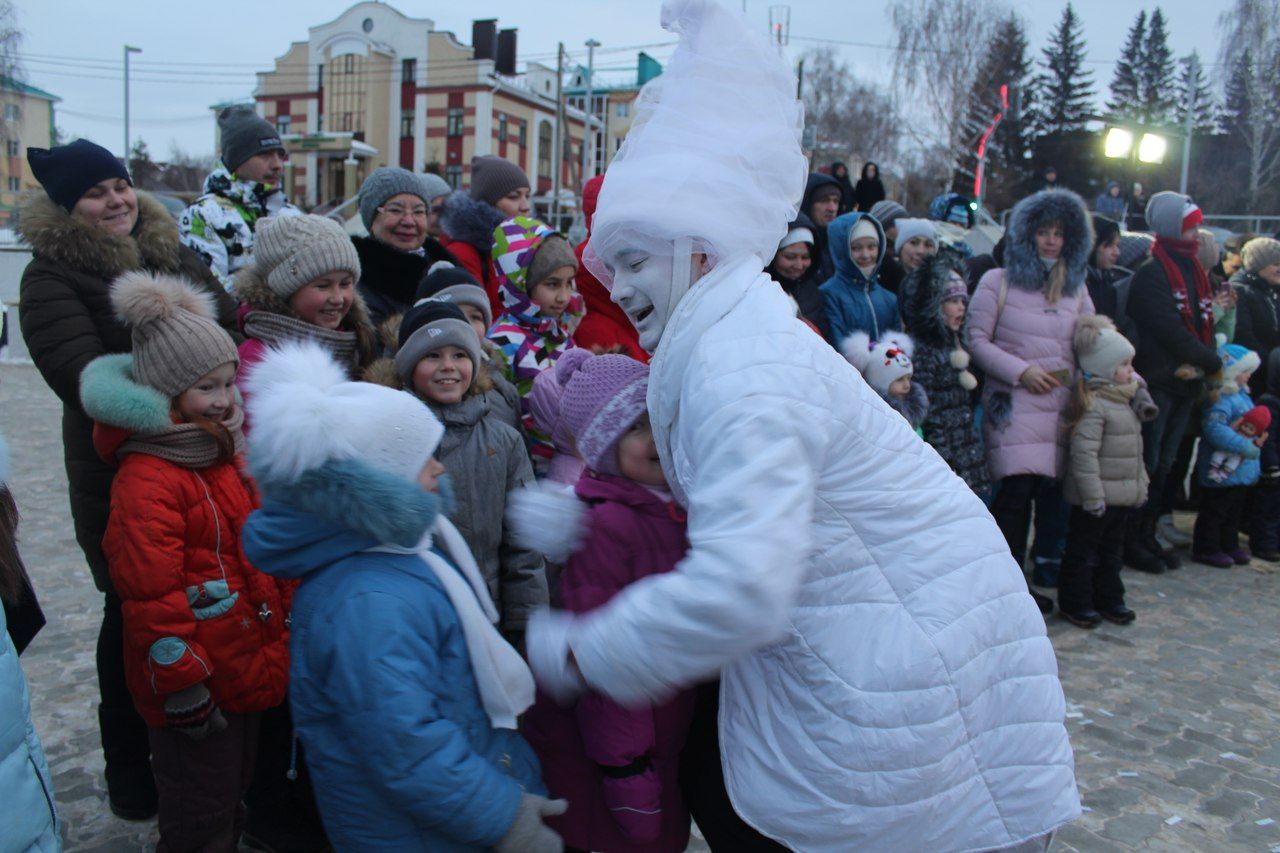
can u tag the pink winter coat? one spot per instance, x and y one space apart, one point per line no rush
637 807
1023 430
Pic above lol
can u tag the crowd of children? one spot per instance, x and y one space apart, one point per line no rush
316 517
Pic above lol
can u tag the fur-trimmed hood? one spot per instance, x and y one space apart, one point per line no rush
251 290
1022 262
914 407
55 234
111 396
470 221
332 511
923 310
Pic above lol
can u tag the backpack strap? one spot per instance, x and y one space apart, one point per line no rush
1001 296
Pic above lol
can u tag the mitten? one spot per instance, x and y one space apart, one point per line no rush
634 802
528 834
192 712
1096 510
1188 371
1271 476
547 648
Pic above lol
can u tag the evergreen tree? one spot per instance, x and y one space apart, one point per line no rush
1237 113
1064 88
1005 62
1125 85
1156 74
1192 79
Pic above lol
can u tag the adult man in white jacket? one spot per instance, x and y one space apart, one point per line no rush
886 681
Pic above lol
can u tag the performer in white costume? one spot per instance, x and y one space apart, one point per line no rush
886 681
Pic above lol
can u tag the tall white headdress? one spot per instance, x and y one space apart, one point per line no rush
713 155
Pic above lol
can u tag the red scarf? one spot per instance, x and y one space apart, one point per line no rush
1162 251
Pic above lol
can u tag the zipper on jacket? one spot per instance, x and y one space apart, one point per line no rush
44 788
875 324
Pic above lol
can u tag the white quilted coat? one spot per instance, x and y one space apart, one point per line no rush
887 683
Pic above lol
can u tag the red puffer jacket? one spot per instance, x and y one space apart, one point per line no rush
195 610
605 325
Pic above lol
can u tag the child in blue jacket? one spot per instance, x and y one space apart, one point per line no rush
403 691
1216 538
854 299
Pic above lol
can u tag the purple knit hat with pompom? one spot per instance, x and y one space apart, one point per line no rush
548 389
603 398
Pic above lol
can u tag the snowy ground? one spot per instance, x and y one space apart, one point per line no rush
1173 719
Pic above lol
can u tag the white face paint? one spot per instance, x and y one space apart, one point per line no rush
642 287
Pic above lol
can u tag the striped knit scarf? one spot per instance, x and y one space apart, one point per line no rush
187 445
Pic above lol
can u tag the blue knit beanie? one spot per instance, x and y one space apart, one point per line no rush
68 171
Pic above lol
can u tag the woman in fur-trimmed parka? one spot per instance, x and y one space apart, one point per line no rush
67 322
942 369
1020 326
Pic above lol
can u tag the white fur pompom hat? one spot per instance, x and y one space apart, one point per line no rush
304 412
882 362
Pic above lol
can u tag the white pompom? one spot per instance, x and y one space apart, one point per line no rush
959 359
968 381
547 517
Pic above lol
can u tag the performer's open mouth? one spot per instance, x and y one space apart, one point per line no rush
640 315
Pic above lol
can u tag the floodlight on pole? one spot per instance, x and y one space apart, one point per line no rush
1118 142
1152 148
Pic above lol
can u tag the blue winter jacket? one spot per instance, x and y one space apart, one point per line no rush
1217 434
402 753
28 818
855 303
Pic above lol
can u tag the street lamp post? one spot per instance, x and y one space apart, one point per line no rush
127 50
588 112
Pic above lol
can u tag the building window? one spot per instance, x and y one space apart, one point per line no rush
409 71
524 133
320 123
502 127
349 64
282 124
15 147
406 124
623 109
320 76
454 127
453 174
599 153
544 150
11 112
617 144
15 184
346 122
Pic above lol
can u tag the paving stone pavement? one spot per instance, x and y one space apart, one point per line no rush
1173 719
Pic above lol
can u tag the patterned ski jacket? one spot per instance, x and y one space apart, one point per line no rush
221 223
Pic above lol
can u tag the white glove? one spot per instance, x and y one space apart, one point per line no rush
546 641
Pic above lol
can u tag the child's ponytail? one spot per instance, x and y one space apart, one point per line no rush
1080 403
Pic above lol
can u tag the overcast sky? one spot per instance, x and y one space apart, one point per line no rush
196 54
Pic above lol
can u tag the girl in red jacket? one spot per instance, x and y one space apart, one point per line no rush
617 766
206 647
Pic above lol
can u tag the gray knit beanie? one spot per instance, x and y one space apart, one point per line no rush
493 177
887 211
390 181
1165 213
427 327
465 294
176 339
1260 253
554 253
244 133
289 251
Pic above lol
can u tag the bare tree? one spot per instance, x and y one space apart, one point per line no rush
937 42
852 120
1251 51
11 71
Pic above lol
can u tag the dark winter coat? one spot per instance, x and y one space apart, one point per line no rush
1109 290
803 290
949 428
389 277
468 225
1257 321
1165 342
821 255
1270 460
854 302
67 321
631 534
486 461
868 190
847 202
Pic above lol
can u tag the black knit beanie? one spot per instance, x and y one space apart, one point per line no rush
68 171
1105 230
